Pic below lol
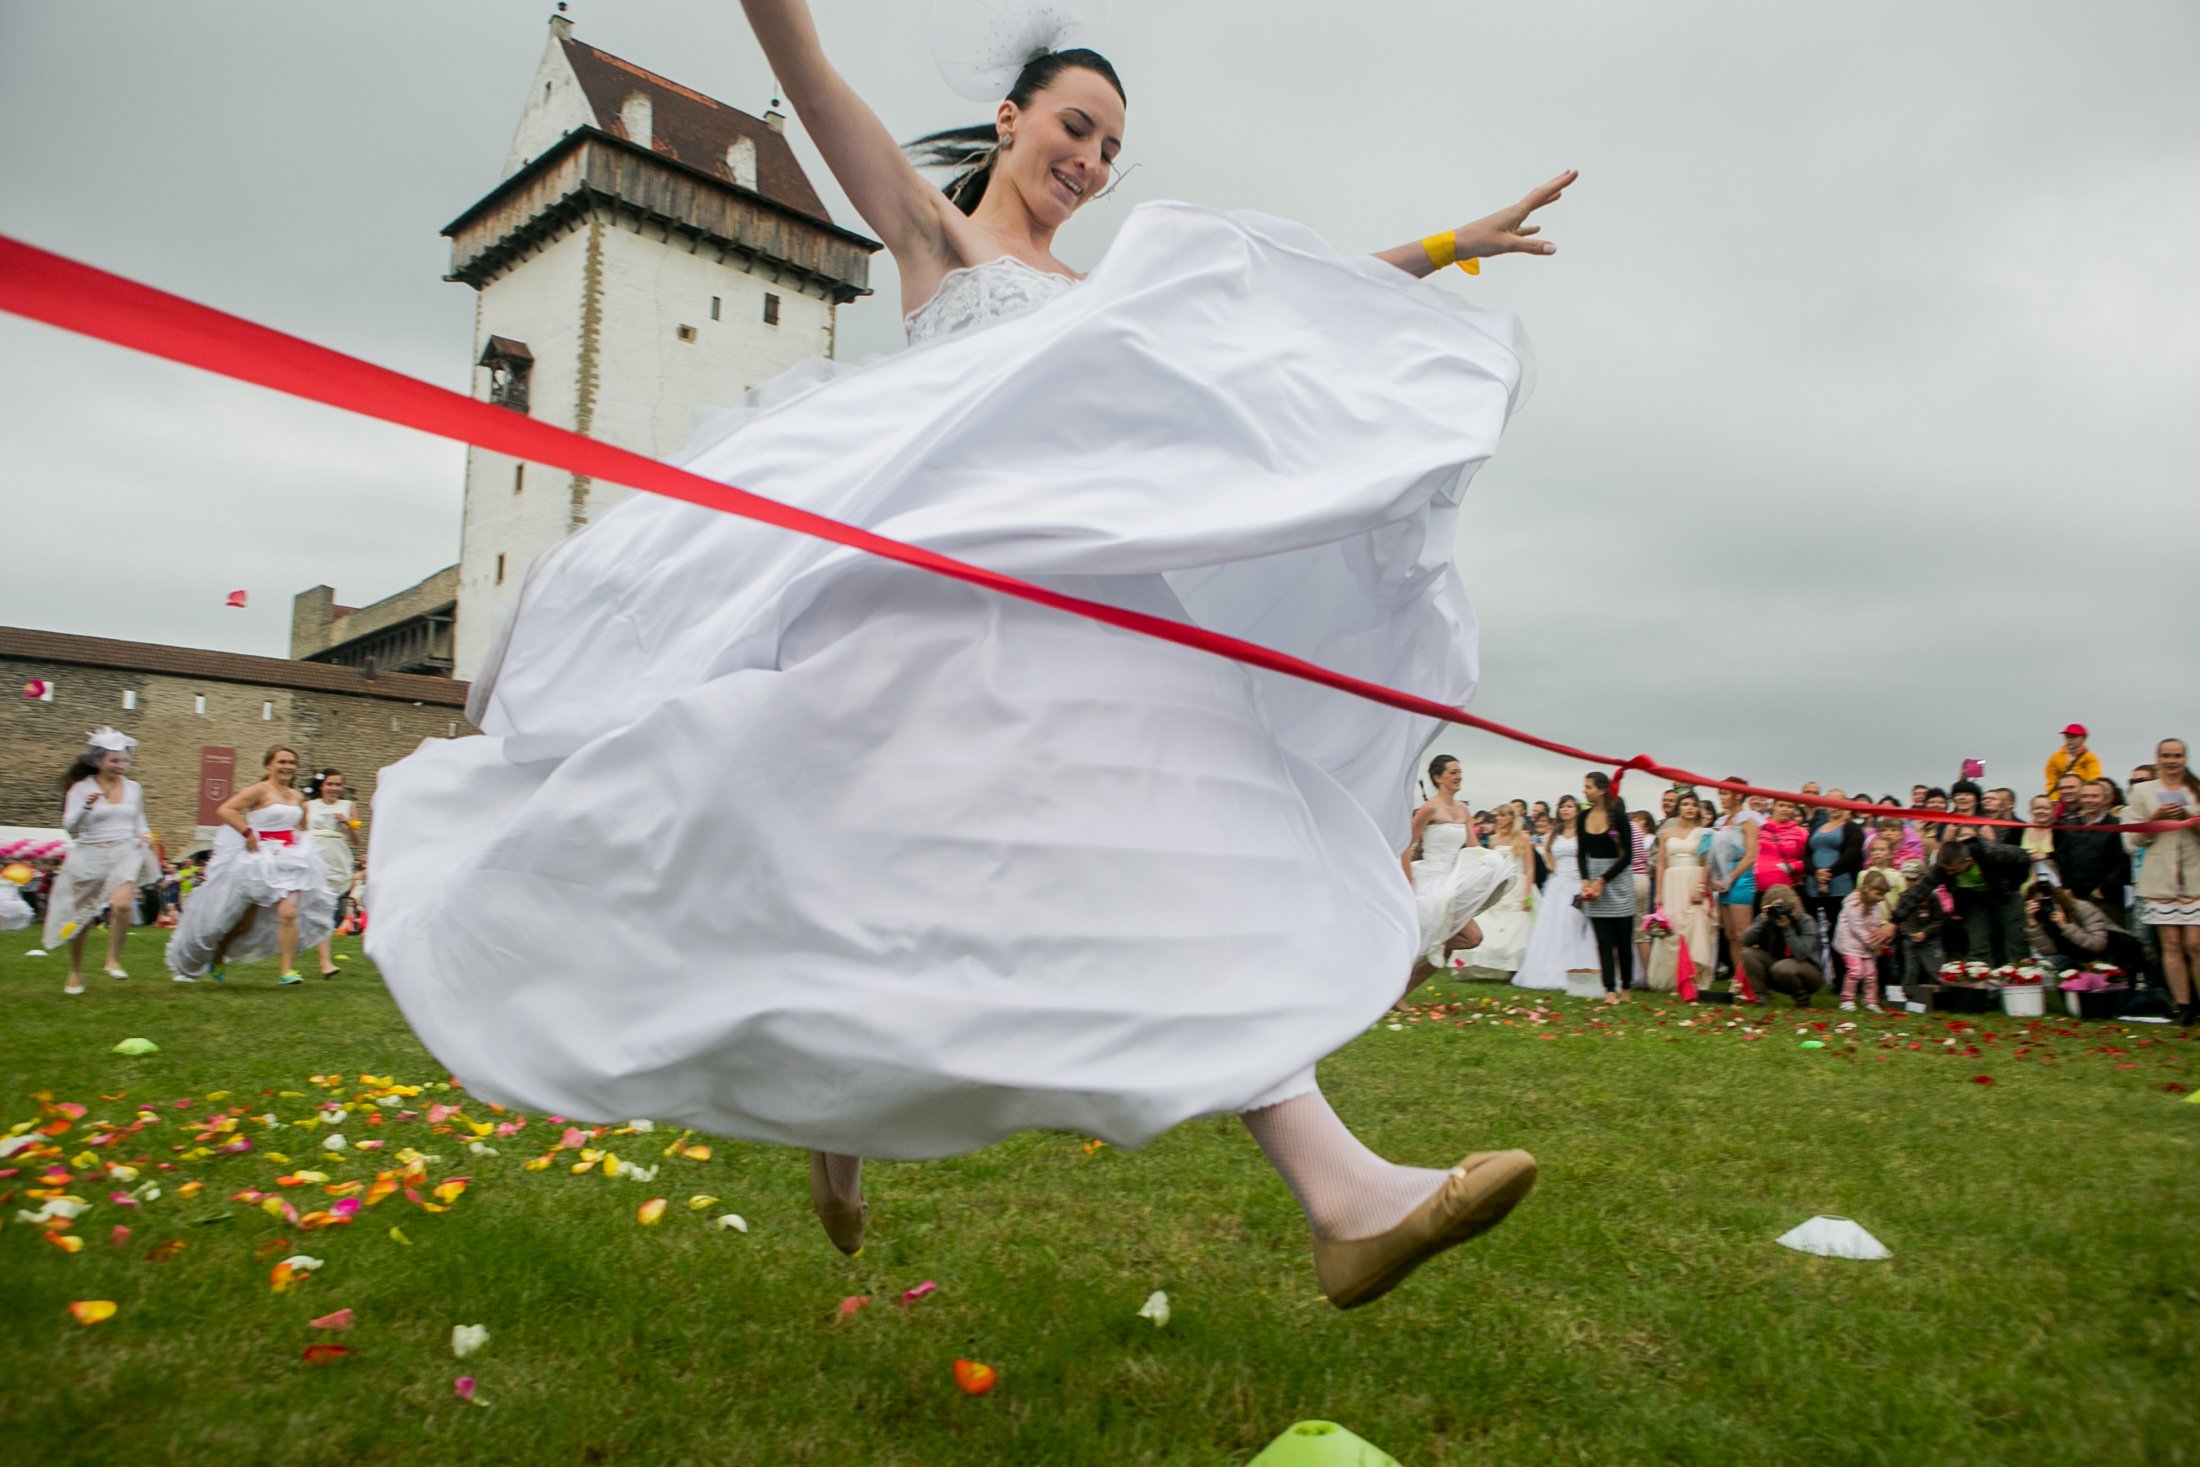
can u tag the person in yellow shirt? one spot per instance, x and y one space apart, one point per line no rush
2072 758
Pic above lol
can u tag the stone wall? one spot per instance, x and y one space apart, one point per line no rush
332 716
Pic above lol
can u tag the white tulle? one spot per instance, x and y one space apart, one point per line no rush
777 840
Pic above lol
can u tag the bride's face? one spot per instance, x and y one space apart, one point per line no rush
1064 143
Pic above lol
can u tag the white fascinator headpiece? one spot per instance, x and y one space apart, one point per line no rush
105 740
980 45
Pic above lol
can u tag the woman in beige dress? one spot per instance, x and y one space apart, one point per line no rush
1684 851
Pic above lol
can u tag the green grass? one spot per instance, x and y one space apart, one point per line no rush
2040 1306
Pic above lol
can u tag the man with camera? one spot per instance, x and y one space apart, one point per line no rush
1984 881
2092 862
1780 948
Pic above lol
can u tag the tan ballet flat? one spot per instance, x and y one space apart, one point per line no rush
1476 1196
843 1221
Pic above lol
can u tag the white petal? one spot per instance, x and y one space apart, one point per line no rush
1833 1237
1156 1308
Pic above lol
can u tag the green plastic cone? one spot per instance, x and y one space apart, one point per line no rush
1321 1444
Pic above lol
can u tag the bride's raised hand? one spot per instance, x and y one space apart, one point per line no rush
1508 232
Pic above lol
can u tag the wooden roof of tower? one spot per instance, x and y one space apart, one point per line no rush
691 128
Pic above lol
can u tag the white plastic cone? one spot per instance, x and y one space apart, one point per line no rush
1833 1237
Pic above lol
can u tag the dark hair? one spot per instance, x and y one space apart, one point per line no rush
1966 787
971 151
86 765
1934 789
320 778
1953 851
1436 765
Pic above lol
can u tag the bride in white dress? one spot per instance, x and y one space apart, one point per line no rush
1563 947
1454 881
1509 923
1112 884
265 890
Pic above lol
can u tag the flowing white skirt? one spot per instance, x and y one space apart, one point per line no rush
88 880
785 843
1454 890
15 913
1506 929
1563 941
240 882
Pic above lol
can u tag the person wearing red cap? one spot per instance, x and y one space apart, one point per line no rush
2072 758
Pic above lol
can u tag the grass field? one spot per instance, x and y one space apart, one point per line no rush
2041 1305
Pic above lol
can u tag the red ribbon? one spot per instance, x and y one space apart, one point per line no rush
58 291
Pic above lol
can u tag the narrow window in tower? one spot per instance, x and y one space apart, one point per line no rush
198 704
771 309
519 477
686 333
129 699
267 713
510 364
714 308
500 570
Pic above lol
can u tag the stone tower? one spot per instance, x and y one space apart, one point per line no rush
648 252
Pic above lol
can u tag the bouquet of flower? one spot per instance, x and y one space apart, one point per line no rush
1965 975
2094 978
1656 925
2020 975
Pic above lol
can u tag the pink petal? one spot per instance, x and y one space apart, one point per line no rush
464 1387
341 1319
927 1287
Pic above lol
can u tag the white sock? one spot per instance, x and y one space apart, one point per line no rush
1346 1190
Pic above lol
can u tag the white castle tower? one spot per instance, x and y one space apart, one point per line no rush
649 251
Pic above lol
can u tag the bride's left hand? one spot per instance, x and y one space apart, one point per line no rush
1508 232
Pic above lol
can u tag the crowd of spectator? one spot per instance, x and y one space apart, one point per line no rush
1796 897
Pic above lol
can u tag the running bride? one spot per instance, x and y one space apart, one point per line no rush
783 842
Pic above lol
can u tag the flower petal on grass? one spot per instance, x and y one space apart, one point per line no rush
911 1296
733 1220
467 1389
162 1252
92 1311
701 1203
65 1242
342 1319
467 1338
397 1235
850 1305
1156 1308
650 1212
973 1379
325 1354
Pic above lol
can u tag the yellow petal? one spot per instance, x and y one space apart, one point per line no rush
696 1153
397 1235
539 1164
650 1211
698 1203
217 1095
84 1159
92 1311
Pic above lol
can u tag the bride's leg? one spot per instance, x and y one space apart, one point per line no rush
1346 1190
836 1192
1374 1222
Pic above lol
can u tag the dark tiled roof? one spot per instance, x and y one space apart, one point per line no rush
228 667
693 129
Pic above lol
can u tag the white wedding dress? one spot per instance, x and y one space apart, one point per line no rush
784 842
1506 928
1563 941
239 881
1454 884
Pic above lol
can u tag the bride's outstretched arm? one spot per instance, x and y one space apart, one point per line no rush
1507 232
885 188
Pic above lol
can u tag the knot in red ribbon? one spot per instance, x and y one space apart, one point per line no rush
1640 761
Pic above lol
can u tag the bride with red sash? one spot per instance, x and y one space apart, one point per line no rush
265 890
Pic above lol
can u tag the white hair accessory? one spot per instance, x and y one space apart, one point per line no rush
981 45
108 741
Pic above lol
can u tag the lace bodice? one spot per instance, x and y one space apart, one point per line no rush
977 294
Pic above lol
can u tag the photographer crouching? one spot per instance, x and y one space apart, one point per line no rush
1780 948
2070 931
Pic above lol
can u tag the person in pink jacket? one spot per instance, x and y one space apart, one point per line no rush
1780 844
1862 933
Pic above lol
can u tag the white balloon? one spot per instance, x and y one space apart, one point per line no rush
980 45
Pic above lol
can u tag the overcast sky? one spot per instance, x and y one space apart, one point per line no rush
1869 361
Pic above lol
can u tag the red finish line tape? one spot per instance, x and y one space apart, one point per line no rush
42 286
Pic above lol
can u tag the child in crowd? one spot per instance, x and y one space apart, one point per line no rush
1864 912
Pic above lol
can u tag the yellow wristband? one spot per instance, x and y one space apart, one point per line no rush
1442 250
